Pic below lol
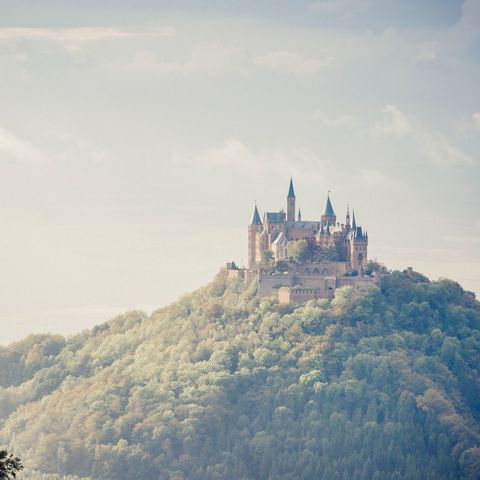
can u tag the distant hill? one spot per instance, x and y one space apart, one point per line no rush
223 385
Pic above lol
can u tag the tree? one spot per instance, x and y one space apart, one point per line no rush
298 250
267 259
9 465
375 266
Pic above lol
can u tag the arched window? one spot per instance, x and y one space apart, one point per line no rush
307 271
325 272
316 271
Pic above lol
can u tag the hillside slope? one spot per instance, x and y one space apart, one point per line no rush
223 385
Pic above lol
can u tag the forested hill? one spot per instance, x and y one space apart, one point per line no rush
223 385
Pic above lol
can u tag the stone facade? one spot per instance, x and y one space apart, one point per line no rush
336 254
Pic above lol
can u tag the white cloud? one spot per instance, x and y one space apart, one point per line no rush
72 147
206 58
18 149
426 53
435 146
476 120
82 34
234 155
214 58
439 151
291 63
394 122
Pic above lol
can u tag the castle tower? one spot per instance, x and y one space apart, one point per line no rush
358 249
328 216
291 203
254 230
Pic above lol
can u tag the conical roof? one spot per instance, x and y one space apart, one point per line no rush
291 192
256 217
328 208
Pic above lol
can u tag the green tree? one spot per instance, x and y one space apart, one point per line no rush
9 465
299 250
375 266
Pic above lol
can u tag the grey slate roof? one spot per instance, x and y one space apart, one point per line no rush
291 192
328 208
275 217
255 217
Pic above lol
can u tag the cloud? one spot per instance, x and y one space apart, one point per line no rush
394 122
214 58
18 149
82 34
206 58
291 63
435 146
476 120
439 151
72 146
233 155
426 52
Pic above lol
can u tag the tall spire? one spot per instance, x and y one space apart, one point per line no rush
291 191
354 223
347 219
328 207
291 203
255 217
299 215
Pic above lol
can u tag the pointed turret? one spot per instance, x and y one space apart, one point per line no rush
328 216
256 217
347 218
354 223
299 215
328 207
291 191
291 202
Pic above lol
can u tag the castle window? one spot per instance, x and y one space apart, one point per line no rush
325 272
307 271
316 271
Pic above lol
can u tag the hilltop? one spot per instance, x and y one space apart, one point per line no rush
222 384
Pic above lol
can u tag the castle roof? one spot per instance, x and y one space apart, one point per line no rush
256 217
359 233
303 224
328 208
280 240
275 217
291 192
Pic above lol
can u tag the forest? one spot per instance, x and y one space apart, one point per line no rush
382 385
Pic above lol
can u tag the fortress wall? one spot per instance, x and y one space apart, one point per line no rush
268 285
358 283
322 269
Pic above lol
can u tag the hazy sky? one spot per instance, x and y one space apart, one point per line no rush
134 136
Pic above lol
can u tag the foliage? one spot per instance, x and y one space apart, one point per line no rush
222 384
9 465
267 259
299 250
375 266
327 254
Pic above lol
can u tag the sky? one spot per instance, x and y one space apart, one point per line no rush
136 135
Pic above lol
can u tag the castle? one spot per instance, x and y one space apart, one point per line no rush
299 260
